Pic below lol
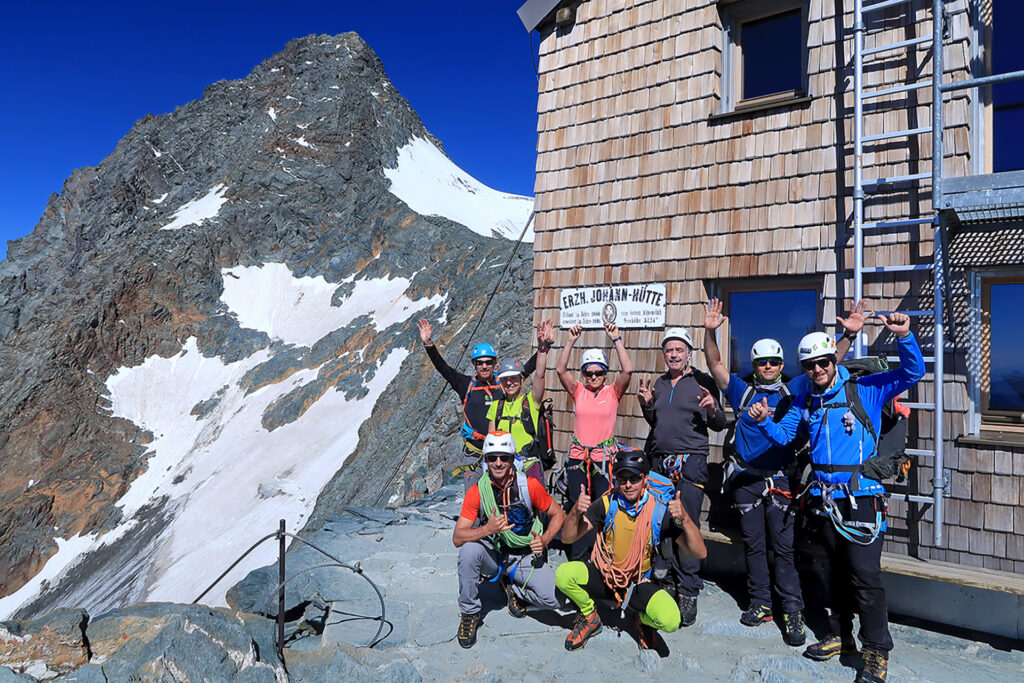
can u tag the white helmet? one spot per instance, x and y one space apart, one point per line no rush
499 442
592 356
815 345
766 348
679 333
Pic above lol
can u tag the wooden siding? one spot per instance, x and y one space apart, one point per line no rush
640 179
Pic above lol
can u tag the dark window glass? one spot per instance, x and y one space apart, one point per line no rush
772 54
784 316
1007 98
1005 368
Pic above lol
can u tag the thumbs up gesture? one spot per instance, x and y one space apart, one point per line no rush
758 411
583 502
536 544
676 509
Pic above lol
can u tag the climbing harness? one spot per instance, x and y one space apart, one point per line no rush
609 449
470 451
861 533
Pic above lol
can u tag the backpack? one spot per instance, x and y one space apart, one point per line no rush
663 491
889 458
540 448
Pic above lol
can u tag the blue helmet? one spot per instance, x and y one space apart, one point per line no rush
483 351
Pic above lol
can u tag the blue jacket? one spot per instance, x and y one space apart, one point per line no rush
831 442
750 443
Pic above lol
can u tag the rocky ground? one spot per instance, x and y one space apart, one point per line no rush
407 553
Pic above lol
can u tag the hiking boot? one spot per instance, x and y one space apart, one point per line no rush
648 635
756 615
793 629
876 665
687 609
468 624
584 629
515 606
829 647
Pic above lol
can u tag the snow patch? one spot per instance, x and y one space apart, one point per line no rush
199 209
272 113
160 199
68 551
302 141
431 184
298 310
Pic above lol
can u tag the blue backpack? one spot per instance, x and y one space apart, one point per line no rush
662 490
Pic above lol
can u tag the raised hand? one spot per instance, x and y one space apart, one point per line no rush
713 317
707 401
575 332
536 544
497 524
426 331
644 392
545 333
897 323
854 322
583 502
758 411
676 509
611 329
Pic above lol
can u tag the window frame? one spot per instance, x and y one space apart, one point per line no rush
982 417
733 15
724 289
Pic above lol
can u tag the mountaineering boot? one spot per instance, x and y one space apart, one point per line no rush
793 629
586 626
756 615
687 609
876 665
468 624
829 647
648 635
515 606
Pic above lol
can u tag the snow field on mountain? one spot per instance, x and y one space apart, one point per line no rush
199 209
226 479
428 181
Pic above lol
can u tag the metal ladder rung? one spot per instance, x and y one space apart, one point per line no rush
896 179
897 134
919 451
918 406
882 5
899 269
896 359
896 90
896 46
881 225
910 313
914 498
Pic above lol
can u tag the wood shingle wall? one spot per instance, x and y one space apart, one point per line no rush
639 179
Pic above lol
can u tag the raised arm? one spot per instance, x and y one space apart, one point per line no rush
713 319
852 325
576 524
645 397
450 375
690 539
625 363
545 335
565 376
911 368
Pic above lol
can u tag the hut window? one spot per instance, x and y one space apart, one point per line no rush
1007 99
794 311
764 52
1002 328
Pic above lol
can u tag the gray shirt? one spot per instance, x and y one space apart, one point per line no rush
678 424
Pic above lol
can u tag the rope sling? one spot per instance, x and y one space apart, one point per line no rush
619 576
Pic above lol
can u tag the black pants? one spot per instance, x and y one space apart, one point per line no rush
764 517
855 578
683 567
576 476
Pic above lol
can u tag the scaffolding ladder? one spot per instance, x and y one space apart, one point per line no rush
864 12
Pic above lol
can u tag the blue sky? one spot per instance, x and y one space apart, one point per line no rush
78 75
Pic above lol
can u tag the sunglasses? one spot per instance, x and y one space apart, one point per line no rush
629 478
599 373
495 458
762 362
822 363
483 361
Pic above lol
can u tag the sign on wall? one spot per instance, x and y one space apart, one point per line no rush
625 305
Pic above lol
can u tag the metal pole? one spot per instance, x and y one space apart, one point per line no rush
938 368
858 163
281 538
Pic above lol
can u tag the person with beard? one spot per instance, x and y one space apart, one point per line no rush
757 472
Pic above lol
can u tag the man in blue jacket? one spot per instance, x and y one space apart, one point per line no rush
757 473
841 442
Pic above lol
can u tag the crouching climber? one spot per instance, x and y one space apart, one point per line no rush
630 522
501 537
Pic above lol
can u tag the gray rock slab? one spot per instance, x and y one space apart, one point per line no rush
8 675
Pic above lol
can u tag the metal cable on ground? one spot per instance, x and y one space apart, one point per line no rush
480 319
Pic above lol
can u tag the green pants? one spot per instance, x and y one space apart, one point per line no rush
581 582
